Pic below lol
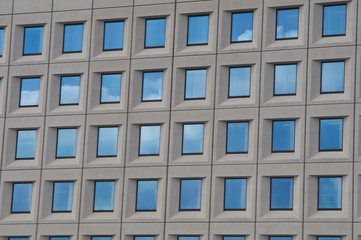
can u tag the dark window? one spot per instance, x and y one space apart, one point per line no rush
1 41
25 144
66 142
195 84
104 196
188 238
331 134
62 196
29 92
280 238
329 238
18 238
239 82
283 136
190 194
149 140
147 193
334 20
101 238
155 33
198 30
332 77
33 40
21 198
281 193
242 27
235 193
152 86
144 238
193 135
69 90
330 193
285 79
234 238
73 38
59 238
113 35
110 88
107 142
287 24
237 137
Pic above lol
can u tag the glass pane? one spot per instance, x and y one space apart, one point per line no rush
66 145
29 93
285 79
239 82
188 238
33 40
113 35
18 238
70 90
21 201
329 238
149 140
237 137
111 85
59 238
107 141
287 23
104 196
190 194
334 20
283 136
330 193
333 74
196 84
147 192
152 86
155 33
1 41
193 138
281 193
233 238
73 38
198 30
63 196
102 238
144 238
331 134
242 27
25 145
280 238
235 194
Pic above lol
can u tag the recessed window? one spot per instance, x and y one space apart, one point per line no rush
287 24
21 198
104 196
107 142
190 194
33 40
235 194
332 77
152 86
329 238
281 193
144 237
239 82
102 238
149 140
62 196
330 193
283 136
188 238
29 92
334 20
59 238
331 134
25 144
285 79
69 90
195 84
66 143
242 27
110 88
198 30
18 238
280 238
237 137
234 238
155 33
113 35
147 193
193 135
73 38
2 31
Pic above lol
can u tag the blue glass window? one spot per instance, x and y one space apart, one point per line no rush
329 238
287 24
107 141
144 238
242 27
155 33
18 238
21 199
73 38
1 41
25 144
190 194
239 82
102 238
193 135
333 74
66 142
113 35
104 196
280 238
110 88
195 86
152 86
59 238
283 136
330 193
33 40
331 134
198 30
62 197
285 79
234 238
237 137
149 140
69 90
235 193
188 238
147 193
281 193
334 20
29 92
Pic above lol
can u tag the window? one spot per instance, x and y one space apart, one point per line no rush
285 79
102 238
149 140
107 142
334 20
113 35
329 238
152 86
110 88
239 82
33 40
188 238
330 193
62 197
198 30
242 27
147 192
66 142
237 137
104 196
235 194
287 24
18 238
59 238
29 92
332 77
193 135
69 90
281 193
25 144
1 41
190 194
280 238
155 33
73 38
331 134
283 136
195 86
144 238
234 238
21 198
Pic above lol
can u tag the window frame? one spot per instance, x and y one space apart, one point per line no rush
274 78
241 152
180 196
136 195
293 194
12 198
323 17
104 30
60 86
106 156
344 76
52 202
298 23
142 90
24 37
101 85
82 46
17 138
197 44
145 31
57 141
294 137
240 12
250 81
140 137
204 129
21 88
319 134
185 84
224 197
94 194
318 193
